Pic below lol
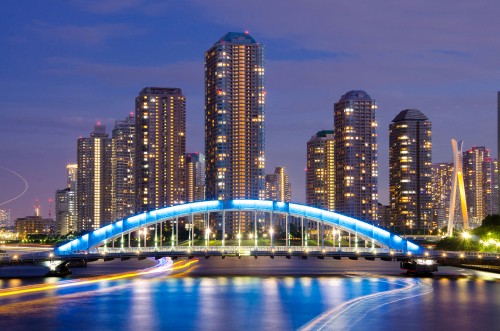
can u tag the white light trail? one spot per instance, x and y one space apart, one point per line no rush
25 185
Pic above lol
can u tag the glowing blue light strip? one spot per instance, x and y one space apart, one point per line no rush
97 237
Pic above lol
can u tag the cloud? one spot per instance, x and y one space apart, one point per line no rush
89 35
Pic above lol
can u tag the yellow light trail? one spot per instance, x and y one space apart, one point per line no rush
42 287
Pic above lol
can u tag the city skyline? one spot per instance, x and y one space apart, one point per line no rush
70 90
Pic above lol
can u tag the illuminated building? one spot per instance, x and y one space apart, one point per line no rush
93 187
442 178
320 172
278 186
4 218
490 180
160 150
234 121
122 168
34 224
65 203
356 168
474 180
195 177
410 170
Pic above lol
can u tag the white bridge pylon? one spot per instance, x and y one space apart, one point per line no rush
323 218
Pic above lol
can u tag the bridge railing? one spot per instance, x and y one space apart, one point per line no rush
234 249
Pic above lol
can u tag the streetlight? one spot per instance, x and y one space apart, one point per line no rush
207 237
271 231
239 239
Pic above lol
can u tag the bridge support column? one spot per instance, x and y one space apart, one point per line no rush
255 228
306 237
156 235
191 239
129 235
302 232
287 229
223 228
177 231
317 234
145 230
271 230
322 234
161 234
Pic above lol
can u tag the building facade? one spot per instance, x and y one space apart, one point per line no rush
474 180
490 170
160 148
320 171
278 187
234 118
410 171
122 168
65 203
195 177
93 187
356 167
442 179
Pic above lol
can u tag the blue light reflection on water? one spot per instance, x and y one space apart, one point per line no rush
251 303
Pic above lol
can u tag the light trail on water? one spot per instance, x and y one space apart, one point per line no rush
25 185
164 265
345 316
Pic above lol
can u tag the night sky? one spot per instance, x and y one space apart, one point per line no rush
64 65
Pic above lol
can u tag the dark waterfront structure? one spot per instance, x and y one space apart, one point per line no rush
356 168
410 170
160 148
122 165
320 172
93 191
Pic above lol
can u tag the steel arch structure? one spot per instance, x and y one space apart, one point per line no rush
98 237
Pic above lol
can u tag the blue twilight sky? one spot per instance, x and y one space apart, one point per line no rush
64 65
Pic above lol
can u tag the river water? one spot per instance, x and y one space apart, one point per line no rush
250 294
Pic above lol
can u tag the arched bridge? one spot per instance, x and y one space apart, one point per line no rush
246 227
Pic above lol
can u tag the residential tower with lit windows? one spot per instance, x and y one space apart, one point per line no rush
160 148
410 171
356 167
234 120
93 187
278 187
320 171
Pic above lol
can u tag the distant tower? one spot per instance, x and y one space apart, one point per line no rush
320 172
94 180
356 168
278 186
195 177
458 182
65 203
37 208
474 181
442 179
410 170
490 186
122 168
160 150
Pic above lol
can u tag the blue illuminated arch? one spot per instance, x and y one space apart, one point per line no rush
97 237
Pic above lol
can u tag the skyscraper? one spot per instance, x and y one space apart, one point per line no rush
122 165
93 192
442 178
473 161
65 203
195 177
474 181
320 172
234 118
160 150
490 182
410 170
356 168
278 186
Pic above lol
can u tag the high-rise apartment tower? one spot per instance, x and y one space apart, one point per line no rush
410 170
160 149
320 171
356 168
